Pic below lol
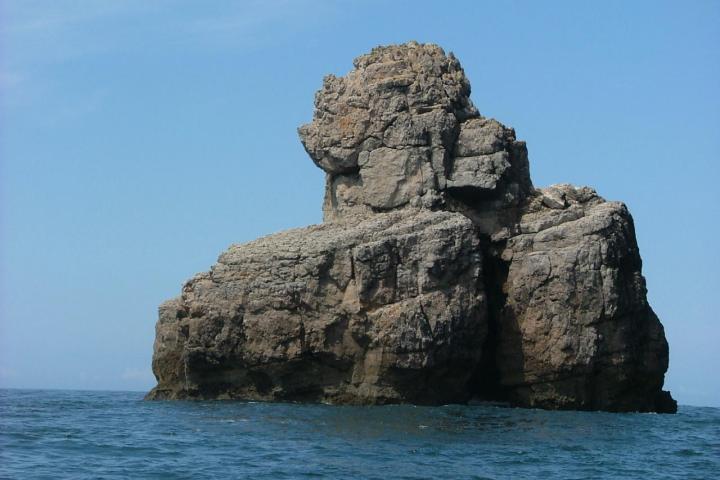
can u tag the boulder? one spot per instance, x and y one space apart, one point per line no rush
571 324
439 274
391 309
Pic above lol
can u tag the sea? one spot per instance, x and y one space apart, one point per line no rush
51 434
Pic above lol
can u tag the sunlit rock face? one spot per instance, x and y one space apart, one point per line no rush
439 275
400 130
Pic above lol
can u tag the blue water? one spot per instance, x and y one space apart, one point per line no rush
72 434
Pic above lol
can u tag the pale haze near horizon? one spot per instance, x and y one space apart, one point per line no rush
139 139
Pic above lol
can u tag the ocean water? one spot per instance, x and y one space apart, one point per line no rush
73 434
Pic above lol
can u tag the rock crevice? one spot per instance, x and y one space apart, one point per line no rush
440 274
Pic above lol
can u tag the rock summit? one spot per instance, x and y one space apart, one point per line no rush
439 274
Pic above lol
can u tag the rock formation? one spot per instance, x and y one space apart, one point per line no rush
439 275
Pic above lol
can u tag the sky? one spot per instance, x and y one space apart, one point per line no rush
140 139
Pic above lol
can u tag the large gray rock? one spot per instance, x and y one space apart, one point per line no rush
571 324
400 129
388 310
438 275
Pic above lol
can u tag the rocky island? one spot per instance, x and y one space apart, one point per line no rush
440 274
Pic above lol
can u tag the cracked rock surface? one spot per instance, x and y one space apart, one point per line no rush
439 275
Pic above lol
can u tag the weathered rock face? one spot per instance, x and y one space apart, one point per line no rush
440 274
391 309
572 325
401 130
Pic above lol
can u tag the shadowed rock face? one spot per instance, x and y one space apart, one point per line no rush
439 274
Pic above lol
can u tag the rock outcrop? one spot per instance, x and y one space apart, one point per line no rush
439 275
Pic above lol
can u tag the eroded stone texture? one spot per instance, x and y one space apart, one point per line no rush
390 310
400 129
439 274
575 329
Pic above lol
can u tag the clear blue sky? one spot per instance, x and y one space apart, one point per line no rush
139 139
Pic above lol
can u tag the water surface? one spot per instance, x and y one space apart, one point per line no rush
73 434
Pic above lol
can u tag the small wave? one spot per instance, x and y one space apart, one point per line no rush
688 452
